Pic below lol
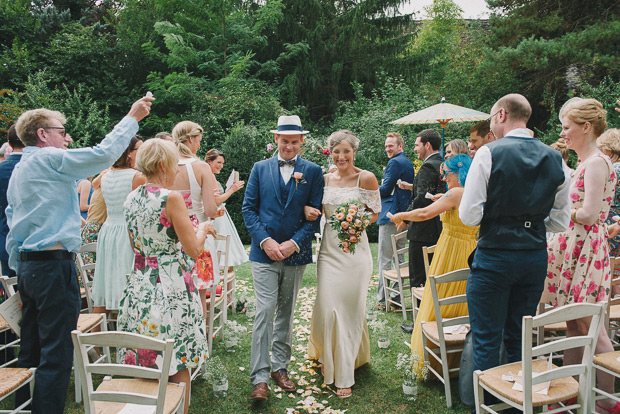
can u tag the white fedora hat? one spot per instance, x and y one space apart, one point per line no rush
289 125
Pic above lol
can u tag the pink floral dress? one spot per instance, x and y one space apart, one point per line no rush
160 300
579 257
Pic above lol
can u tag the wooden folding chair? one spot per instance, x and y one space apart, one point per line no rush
396 280
434 332
537 369
140 385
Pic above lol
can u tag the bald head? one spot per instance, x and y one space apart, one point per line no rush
517 107
510 112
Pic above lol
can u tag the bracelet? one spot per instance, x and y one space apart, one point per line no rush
573 216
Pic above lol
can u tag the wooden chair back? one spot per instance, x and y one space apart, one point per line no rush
450 277
531 351
83 341
426 252
84 268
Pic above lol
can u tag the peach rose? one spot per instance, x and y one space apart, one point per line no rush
344 225
297 175
353 207
358 223
346 250
353 239
349 218
351 212
352 231
345 244
339 216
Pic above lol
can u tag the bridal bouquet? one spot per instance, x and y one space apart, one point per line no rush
349 221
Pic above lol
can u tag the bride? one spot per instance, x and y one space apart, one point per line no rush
339 334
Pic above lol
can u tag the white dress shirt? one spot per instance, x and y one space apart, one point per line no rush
475 193
286 170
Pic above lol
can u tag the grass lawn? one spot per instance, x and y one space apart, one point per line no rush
378 385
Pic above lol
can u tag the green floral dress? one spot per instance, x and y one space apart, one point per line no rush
160 299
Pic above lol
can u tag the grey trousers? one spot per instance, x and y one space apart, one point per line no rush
385 253
275 286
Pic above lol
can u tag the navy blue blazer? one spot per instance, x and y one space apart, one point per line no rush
6 169
267 214
393 199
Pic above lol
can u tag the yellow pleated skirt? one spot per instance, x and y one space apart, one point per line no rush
454 246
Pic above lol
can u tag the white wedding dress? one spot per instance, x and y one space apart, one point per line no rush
339 334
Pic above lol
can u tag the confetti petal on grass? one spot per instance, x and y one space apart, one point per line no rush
241 368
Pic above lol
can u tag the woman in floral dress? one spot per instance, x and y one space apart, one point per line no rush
160 298
578 269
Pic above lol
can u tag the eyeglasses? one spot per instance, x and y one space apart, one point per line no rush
498 111
445 173
63 133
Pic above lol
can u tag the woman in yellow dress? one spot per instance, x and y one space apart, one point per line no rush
454 246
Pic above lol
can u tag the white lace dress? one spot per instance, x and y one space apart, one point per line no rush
339 334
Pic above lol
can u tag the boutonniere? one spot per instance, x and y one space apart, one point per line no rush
299 178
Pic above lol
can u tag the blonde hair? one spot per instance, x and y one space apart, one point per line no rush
561 146
343 135
588 110
157 156
30 121
397 137
182 132
610 141
458 146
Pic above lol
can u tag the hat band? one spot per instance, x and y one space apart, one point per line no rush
290 127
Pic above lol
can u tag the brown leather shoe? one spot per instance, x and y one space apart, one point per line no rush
260 392
282 379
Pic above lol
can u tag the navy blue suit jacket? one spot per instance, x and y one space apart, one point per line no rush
267 214
393 199
6 169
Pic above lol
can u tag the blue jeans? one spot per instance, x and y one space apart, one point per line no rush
51 305
503 286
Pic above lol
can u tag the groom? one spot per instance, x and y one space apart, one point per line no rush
273 211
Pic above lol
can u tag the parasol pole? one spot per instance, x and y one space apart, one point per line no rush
443 123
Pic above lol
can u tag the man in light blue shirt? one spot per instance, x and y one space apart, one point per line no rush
44 235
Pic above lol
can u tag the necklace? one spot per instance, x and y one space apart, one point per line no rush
153 185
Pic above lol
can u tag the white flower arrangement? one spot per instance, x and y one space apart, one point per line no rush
214 370
233 330
412 366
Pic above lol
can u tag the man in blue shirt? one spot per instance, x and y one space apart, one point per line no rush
393 200
6 169
44 235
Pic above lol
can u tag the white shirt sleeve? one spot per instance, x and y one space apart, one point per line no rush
475 193
559 216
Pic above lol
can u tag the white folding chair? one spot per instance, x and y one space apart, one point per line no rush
396 280
418 292
12 379
86 283
140 385
435 331
537 370
228 277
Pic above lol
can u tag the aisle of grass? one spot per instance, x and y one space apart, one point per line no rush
377 388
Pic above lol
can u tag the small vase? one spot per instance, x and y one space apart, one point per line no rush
220 387
410 389
383 342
